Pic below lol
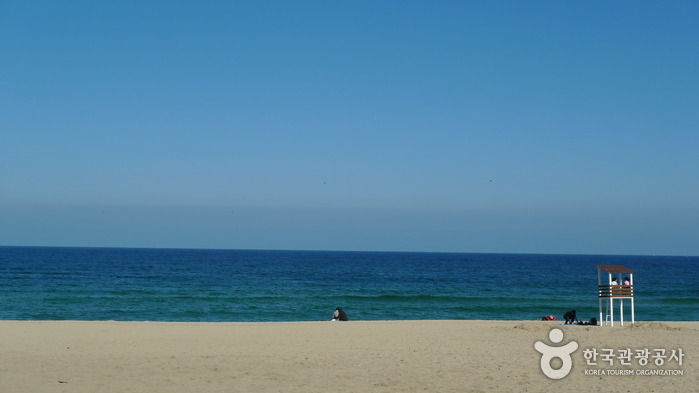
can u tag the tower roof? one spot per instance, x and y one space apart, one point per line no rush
614 269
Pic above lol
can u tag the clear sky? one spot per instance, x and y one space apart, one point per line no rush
464 126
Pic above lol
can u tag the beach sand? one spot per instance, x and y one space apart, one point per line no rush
355 356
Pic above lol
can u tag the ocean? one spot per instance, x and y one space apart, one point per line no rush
51 283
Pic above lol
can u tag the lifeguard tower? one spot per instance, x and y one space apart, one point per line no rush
611 287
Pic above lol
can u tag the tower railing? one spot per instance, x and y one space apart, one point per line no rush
614 291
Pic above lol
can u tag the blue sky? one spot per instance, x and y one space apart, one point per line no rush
542 127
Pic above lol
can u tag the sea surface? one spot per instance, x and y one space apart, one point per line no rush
46 283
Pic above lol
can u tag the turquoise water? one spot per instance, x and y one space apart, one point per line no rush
44 283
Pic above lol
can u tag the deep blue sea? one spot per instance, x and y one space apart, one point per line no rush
46 283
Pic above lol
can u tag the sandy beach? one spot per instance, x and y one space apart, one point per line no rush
355 356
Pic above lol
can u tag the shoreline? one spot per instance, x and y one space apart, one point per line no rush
322 356
616 322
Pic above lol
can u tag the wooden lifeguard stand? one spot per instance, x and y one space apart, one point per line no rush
610 291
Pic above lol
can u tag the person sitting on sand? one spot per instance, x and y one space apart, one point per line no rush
339 315
593 322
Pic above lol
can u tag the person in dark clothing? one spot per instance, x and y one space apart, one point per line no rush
339 315
570 317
